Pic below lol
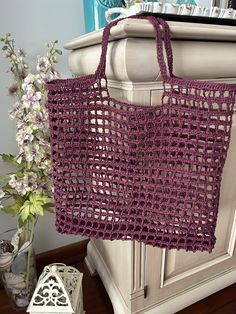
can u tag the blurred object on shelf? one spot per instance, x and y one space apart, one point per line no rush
172 8
94 13
232 4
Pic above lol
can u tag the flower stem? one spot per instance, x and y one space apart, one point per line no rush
30 252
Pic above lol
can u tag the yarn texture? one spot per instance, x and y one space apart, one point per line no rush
152 173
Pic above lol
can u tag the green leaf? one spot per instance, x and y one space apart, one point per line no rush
5 178
12 210
25 211
41 199
37 210
49 207
59 52
33 206
20 173
7 187
19 199
9 158
21 223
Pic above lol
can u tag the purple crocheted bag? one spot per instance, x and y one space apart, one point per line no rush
132 172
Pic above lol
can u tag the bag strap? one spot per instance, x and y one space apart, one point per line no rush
160 26
167 42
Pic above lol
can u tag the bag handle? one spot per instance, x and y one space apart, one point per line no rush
160 26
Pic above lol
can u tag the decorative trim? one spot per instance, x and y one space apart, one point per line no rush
232 239
138 269
154 85
197 269
163 265
89 263
215 261
137 86
117 301
186 298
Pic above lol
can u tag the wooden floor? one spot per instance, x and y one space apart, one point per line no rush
96 300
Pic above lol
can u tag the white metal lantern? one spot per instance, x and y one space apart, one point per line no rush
59 290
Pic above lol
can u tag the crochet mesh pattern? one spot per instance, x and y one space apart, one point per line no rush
145 173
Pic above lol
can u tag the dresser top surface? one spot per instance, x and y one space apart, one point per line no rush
143 29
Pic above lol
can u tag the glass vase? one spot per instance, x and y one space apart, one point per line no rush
18 272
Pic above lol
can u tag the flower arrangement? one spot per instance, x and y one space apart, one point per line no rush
26 192
29 187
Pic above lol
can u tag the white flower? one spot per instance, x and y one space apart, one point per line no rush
7 54
32 134
30 152
46 166
45 144
31 99
50 75
15 111
19 157
38 79
20 124
26 153
38 120
37 151
42 150
24 135
54 73
2 193
25 184
13 180
27 87
31 180
29 80
19 60
22 53
32 149
43 64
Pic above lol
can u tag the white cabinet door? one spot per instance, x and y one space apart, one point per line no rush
170 273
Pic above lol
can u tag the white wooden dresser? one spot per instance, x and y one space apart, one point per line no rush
140 278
